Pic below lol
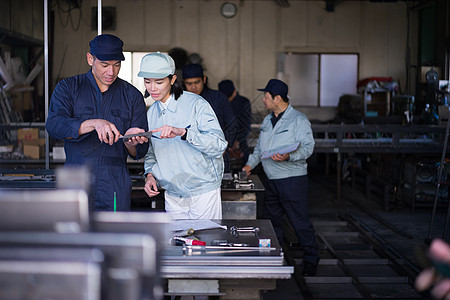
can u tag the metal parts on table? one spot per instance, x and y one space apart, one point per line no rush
236 230
244 184
228 262
226 243
240 181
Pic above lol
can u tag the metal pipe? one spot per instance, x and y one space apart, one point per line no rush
46 86
99 16
447 220
230 248
438 185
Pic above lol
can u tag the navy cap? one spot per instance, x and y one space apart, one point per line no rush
107 47
192 70
226 87
276 87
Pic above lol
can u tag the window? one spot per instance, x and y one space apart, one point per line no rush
130 69
320 79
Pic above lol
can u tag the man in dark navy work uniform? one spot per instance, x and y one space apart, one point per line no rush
243 110
196 82
90 112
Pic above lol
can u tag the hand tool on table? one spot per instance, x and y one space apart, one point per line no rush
186 241
236 230
188 232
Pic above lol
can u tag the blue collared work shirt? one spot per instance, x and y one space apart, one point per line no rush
293 127
188 167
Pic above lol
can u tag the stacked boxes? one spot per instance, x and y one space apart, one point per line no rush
33 146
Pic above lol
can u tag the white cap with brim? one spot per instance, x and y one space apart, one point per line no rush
156 65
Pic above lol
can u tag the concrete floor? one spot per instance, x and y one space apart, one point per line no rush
403 229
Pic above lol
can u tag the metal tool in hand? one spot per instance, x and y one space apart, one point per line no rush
147 134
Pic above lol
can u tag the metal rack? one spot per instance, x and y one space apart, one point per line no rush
378 138
354 139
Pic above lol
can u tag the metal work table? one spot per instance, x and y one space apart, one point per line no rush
217 272
333 138
242 199
27 178
243 202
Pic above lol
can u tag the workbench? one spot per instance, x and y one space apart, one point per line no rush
242 199
226 272
239 201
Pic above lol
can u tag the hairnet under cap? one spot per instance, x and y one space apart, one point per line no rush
107 47
192 70
156 65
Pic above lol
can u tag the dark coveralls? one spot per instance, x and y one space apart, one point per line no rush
227 119
243 111
77 99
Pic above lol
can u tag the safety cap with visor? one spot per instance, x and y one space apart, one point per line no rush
107 47
276 87
156 65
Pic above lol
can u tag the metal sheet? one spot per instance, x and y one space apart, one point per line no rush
221 272
229 263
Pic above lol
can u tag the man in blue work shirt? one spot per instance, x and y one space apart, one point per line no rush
243 111
90 112
196 83
285 142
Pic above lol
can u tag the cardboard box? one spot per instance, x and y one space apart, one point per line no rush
22 98
27 134
34 149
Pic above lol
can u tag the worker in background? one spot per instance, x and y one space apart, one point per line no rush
286 140
185 152
90 112
242 109
434 277
196 83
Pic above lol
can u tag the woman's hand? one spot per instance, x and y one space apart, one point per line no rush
168 132
150 187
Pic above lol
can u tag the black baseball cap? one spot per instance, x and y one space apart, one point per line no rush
192 70
276 87
226 87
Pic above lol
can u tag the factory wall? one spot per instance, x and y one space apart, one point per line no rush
23 16
243 48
